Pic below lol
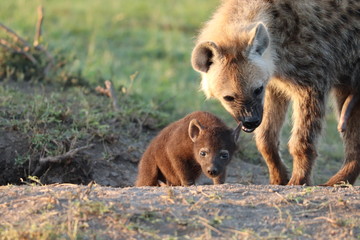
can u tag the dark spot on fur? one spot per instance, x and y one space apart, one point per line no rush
350 11
317 9
303 66
286 7
353 12
314 28
344 18
275 13
336 27
329 15
307 37
344 79
318 76
325 34
285 25
319 15
333 4
350 38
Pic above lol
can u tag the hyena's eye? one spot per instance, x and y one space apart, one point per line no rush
258 91
203 153
229 98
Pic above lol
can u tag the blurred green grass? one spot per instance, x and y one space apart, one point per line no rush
115 39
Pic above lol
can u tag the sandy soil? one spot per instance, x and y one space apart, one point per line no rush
229 211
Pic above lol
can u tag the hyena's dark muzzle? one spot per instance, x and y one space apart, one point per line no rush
250 116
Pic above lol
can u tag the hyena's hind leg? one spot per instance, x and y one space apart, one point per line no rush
267 135
351 137
148 174
346 110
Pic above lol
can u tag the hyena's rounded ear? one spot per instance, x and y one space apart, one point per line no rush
236 132
203 56
259 40
194 130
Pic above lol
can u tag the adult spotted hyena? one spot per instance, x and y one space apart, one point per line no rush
256 56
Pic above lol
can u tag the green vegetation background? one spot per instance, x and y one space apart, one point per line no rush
116 39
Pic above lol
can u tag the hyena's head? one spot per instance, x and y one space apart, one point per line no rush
236 73
213 146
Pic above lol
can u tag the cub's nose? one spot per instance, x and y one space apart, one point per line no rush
212 171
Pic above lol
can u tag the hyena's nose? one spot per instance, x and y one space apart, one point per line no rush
213 171
251 123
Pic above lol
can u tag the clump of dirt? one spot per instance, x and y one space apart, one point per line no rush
12 144
109 164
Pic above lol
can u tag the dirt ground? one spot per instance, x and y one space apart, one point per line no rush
230 211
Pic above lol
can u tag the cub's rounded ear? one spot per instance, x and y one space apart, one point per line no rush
203 56
236 132
259 40
194 130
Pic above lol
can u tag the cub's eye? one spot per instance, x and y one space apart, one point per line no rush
258 91
203 153
229 98
224 155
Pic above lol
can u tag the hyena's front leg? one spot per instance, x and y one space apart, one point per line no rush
184 172
267 135
309 111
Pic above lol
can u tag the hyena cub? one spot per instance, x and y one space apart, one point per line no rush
198 142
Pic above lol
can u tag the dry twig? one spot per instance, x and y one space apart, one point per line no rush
61 158
110 92
17 49
332 221
37 38
15 36
24 46
282 197
38 30
206 224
